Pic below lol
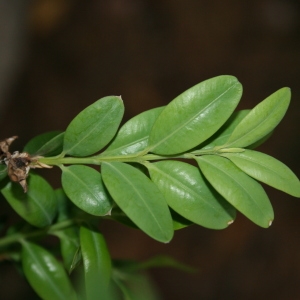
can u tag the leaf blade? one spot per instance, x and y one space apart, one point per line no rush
84 186
267 169
38 206
93 127
243 192
96 262
133 135
189 195
207 105
139 198
261 120
45 274
46 144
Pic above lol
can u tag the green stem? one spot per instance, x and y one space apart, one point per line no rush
98 159
18 237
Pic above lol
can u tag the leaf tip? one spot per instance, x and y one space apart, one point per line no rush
270 222
230 222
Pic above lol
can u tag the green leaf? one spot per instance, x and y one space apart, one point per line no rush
139 198
69 237
195 115
45 274
222 135
94 127
38 206
96 261
267 169
243 192
133 136
84 186
261 120
187 192
46 144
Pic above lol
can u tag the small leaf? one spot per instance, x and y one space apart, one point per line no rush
45 274
133 136
38 206
46 144
243 192
267 169
190 195
139 198
84 186
96 261
195 115
94 127
261 120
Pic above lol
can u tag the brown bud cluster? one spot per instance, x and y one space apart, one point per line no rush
18 164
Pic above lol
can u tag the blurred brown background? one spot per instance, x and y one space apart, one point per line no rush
59 56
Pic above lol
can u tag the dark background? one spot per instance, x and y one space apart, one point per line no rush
59 56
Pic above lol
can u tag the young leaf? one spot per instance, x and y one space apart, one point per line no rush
261 120
133 136
83 185
45 274
46 144
139 198
195 115
38 206
96 262
243 192
94 127
267 169
190 195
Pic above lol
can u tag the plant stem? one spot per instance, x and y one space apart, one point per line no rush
98 159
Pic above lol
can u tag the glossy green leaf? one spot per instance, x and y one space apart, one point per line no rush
239 189
222 135
195 115
94 127
187 192
84 186
38 206
133 136
46 144
139 198
69 237
45 274
261 120
267 169
96 261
